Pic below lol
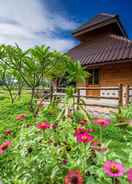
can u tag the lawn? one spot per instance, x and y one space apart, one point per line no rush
54 149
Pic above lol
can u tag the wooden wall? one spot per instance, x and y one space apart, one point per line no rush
115 74
110 76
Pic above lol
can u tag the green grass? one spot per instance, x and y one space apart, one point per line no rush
9 111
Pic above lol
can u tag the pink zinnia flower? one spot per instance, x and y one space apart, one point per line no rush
4 146
73 177
43 125
80 131
129 174
7 132
20 117
84 137
102 122
113 169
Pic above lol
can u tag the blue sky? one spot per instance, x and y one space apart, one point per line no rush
50 22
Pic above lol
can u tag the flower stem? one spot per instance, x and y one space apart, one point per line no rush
113 180
100 134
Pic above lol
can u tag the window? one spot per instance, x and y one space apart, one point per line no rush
94 76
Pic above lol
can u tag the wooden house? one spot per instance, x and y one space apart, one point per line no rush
105 51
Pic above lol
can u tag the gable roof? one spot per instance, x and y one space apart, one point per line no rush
103 50
98 21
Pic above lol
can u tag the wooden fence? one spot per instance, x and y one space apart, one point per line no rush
123 95
99 98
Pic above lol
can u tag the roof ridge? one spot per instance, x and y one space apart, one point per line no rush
95 22
89 22
107 14
98 21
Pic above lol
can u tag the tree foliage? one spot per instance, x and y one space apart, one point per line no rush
30 68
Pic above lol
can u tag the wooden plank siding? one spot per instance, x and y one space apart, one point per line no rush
113 75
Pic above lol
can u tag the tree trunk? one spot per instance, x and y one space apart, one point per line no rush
31 105
51 91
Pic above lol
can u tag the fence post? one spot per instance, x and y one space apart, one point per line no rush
120 95
127 94
124 95
78 97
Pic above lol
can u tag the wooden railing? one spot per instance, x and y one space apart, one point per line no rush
122 97
118 98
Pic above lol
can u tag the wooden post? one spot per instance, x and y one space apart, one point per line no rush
127 94
78 97
120 95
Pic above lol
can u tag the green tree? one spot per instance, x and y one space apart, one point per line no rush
10 77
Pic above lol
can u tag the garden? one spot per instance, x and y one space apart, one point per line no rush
46 141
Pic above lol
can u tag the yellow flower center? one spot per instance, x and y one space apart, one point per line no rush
114 169
84 137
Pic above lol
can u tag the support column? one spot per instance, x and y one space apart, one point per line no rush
123 95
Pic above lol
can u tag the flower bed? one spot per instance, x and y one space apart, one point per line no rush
72 150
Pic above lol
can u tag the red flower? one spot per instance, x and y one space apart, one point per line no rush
43 125
20 117
73 177
129 175
84 137
7 132
80 131
102 122
4 146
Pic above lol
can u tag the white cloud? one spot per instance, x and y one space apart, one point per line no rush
60 44
21 20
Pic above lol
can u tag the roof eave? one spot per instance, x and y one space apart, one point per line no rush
108 62
121 27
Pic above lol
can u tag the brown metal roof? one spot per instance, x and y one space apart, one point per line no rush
103 49
99 21
96 20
